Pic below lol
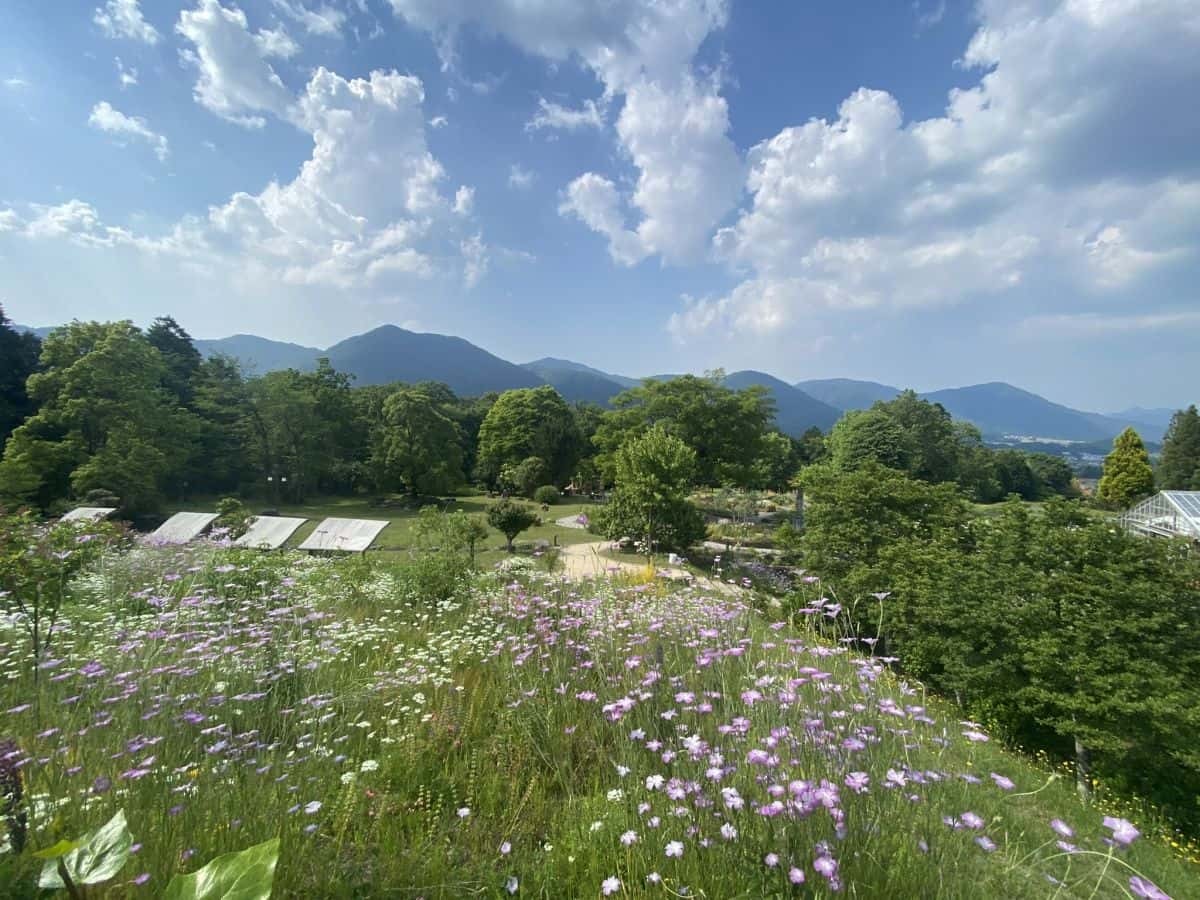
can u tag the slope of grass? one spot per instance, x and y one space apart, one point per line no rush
533 737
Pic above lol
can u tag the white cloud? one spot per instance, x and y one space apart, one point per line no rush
15 83
323 20
596 202
475 258
1060 173
123 19
1092 324
74 219
112 121
126 77
276 42
235 80
555 116
520 178
366 212
9 220
439 122
673 126
464 201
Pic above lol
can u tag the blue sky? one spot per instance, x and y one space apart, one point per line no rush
927 194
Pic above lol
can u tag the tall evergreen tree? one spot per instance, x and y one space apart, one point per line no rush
1127 473
1179 468
18 360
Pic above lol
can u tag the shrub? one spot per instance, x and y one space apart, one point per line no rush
510 519
547 494
233 516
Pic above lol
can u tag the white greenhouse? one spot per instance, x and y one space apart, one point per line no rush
1166 514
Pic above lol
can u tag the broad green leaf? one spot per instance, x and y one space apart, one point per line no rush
245 875
62 848
100 855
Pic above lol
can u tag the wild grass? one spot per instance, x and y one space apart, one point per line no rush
528 736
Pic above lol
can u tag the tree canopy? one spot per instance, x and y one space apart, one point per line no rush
727 429
524 423
1127 474
1179 467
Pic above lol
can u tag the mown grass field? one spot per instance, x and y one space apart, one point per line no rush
528 737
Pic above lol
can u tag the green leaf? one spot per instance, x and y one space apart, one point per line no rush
97 857
245 875
62 848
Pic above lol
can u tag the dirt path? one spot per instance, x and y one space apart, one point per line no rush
580 561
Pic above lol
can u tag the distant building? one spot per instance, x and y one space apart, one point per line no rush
1166 514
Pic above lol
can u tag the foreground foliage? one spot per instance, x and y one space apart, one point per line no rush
522 737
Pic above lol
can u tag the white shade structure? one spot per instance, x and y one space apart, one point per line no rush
269 532
348 535
88 513
183 527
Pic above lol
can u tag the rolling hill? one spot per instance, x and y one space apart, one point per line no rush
578 383
795 410
260 355
389 353
847 393
998 408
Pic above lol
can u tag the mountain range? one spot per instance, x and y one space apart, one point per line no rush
389 354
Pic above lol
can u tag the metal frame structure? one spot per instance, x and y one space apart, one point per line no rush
1172 514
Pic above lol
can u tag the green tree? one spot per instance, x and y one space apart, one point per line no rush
930 441
418 445
525 423
864 436
452 532
18 360
1179 466
1015 475
654 472
304 426
104 420
1053 475
726 428
510 519
525 477
1127 473
852 516
778 463
180 355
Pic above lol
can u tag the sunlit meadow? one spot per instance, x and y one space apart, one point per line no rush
527 737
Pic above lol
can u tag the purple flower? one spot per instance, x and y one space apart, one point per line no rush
796 875
1062 828
1123 831
858 781
1003 783
971 820
1141 887
986 843
610 885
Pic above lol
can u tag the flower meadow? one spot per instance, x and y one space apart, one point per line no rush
528 737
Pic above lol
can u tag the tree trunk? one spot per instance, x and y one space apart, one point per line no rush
509 538
1083 770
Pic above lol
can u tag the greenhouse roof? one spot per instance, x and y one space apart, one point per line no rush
1168 514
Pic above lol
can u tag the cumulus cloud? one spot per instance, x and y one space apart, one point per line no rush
322 20
112 121
673 127
126 77
123 19
235 80
520 178
557 117
1058 172
367 211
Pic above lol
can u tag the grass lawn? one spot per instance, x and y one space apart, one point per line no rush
398 535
